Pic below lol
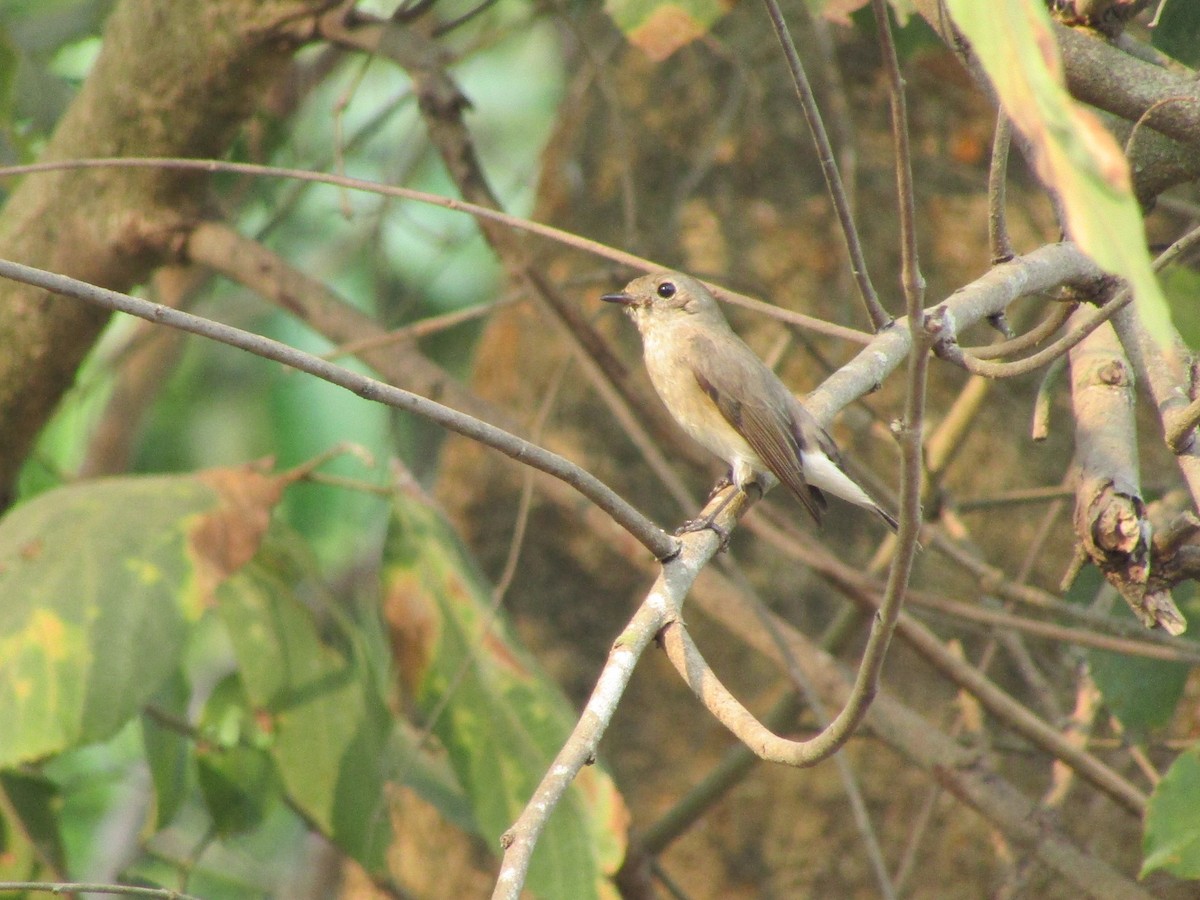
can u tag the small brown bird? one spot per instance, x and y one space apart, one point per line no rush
729 401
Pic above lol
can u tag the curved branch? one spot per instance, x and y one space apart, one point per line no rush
1055 319
961 771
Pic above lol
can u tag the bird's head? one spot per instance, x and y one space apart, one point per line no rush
666 298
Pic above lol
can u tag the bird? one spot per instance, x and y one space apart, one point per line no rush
730 402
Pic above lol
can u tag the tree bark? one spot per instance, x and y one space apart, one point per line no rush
172 79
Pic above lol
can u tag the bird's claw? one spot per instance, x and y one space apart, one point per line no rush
705 523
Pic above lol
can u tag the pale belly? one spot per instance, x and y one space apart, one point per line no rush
698 415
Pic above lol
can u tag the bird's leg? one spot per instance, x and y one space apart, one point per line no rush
723 482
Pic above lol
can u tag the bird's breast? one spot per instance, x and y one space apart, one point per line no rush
670 367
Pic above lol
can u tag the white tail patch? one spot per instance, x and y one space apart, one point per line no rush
821 472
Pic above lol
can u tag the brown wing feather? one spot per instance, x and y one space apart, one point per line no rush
766 426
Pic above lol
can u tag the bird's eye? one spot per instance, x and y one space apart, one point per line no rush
666 290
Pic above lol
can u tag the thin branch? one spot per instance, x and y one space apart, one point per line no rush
548 232
998 237
1055 319
661 606
649 535
1039 427
1007 710
517 539
1183 423
1015 498
1078 729
1162 384
812 697
947 348
425 327
909 434
1080 637
993 581
70 887
879 317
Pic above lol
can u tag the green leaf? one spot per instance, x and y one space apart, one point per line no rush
330 730
1172 838
236 777
500 718
1142 693
237 784
660 27
167 751
1014 40
33 839
100 581
1178 31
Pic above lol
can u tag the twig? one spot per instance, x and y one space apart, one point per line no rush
1008 711
70 887
526 501
1039 428
858 264
911 431
653 538
1163 384
812 697
566 238
1055 320
419 329
947 349
1078 729
1036 272
993 581
975 612
1017 497
998 237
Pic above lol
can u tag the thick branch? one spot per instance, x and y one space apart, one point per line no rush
173 79
1043 269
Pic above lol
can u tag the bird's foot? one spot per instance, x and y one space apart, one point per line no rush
705 523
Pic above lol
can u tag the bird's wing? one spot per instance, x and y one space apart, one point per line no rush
759 413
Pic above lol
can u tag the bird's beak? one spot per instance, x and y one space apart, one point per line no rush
623 299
